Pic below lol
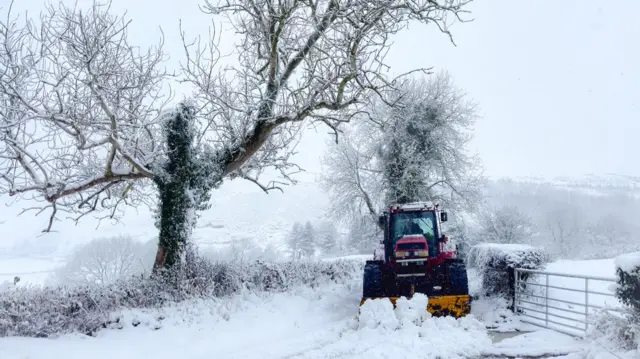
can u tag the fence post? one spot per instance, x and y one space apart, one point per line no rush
586 304
514 305
546 301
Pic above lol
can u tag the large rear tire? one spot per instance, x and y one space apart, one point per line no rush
458 280
372 284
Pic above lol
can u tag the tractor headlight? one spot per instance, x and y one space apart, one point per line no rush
422 253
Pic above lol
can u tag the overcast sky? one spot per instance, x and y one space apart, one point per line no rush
557 82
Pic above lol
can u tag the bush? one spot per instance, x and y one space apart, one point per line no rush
46 311
628 280
496 264
616 332
620 332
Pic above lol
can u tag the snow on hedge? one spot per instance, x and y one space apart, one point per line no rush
506 255
627 287
628 262
45 311
495 263
619 335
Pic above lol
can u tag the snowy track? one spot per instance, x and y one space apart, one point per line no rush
303 324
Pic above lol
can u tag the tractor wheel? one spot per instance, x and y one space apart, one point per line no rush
458 281
372 284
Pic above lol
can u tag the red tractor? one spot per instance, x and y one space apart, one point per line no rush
415 258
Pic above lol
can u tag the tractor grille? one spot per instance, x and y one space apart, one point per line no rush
412 266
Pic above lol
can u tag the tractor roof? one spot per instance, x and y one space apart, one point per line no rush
414 206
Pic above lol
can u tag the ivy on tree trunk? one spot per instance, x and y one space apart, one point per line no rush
406 150
183 185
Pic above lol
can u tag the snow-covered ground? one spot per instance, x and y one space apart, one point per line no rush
30 270
305 323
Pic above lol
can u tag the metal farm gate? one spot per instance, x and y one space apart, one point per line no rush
562 302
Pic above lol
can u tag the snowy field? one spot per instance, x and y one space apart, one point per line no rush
31 270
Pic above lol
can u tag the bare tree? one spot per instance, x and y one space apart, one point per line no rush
411 146
79 111
104 261
506 225
351 176
565 229
82 109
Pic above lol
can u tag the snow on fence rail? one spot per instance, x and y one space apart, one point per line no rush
562 302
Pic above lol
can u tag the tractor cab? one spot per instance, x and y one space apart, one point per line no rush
407 225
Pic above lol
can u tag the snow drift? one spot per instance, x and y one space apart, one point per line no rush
407 330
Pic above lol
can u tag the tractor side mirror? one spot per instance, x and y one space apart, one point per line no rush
382 220
444 239
443 216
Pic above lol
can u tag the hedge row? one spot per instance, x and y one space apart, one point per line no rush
45 311
622 332
496 263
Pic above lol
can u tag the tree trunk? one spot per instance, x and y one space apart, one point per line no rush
174 225
175 185
185 181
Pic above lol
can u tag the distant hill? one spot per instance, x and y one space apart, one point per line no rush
593 184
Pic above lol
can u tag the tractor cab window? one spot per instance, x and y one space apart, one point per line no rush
423 223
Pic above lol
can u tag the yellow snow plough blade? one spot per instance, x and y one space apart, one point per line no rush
440 306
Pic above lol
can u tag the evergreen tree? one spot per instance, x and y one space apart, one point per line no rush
294 240
327 238
308 240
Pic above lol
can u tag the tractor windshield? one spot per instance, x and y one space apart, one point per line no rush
423 223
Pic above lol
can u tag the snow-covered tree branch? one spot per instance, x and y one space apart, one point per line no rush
352 177
78 109
299 61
